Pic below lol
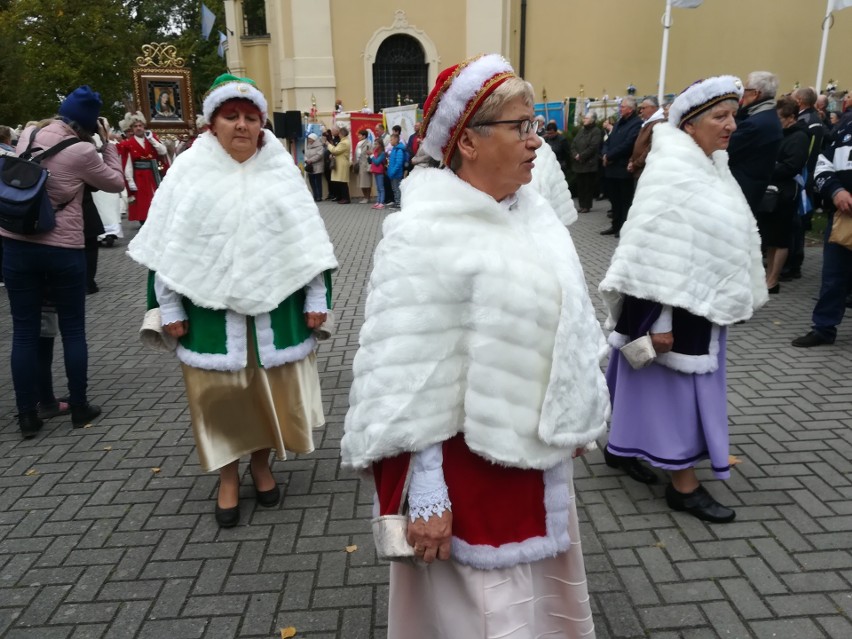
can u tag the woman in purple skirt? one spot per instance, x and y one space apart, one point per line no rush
688 265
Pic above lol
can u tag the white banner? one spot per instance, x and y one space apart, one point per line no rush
837 5
693 4
404 116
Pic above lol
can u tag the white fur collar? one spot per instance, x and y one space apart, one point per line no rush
230 235
690 239
477 320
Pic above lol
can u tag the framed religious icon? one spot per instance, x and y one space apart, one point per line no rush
163 91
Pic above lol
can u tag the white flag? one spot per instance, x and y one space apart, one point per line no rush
837 5
692 4
207 20
223 40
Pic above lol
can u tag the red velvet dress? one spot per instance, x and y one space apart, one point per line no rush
146 174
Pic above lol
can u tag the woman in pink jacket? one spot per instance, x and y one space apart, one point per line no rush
55 261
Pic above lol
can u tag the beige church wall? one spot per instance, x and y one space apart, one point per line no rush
255 55
354 24
608 44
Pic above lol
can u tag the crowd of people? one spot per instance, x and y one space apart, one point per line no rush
478 378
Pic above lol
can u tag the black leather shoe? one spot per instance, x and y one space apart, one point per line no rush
227 517
631 466
775 289
83 415
266 498
811 339
609 231
699 503
30 424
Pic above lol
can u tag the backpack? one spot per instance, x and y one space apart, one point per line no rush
25 207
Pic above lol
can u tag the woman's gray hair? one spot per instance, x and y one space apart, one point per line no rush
763 81
492 107
592 115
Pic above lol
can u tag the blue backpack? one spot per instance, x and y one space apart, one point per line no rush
25 207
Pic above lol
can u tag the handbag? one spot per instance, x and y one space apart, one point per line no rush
841 230
769 201
152 335
390 532
640 352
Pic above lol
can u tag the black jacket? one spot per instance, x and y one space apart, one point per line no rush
619 146
753 149
816 132
792 156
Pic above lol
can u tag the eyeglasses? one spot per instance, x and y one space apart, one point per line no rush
525 127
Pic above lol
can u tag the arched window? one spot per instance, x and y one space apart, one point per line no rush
400 70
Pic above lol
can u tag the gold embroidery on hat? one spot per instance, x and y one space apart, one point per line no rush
427 117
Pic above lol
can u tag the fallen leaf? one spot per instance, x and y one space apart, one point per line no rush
288 632
733 460
87 426
155 470
660 544
107 447
776 322
351 548
31 472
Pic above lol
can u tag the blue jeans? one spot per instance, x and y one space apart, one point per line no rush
836 285
380 187
29 270
316 185
395 182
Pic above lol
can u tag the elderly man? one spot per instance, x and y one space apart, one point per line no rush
652 115
754 145
834 181
616 154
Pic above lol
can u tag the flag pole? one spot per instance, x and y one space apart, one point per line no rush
827 22
667 24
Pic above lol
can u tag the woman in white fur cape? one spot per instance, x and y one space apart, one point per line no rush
688 265
240 265
477 379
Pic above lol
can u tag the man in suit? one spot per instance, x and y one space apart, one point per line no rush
616 154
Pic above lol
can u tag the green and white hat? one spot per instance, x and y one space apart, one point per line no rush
227 87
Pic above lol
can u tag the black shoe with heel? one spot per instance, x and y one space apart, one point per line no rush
266 498
699 503
631 466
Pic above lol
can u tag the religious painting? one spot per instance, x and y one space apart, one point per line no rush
164 96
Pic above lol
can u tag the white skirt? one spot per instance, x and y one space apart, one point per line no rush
446 600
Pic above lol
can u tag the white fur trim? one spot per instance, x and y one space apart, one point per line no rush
230 90
701 93
548 179
452 104
681 362
557 504
271 356
235 356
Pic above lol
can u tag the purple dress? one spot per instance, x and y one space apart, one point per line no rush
669 418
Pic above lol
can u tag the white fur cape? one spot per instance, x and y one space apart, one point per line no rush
231 235
690 239
478 320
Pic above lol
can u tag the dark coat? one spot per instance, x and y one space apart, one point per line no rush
587 144
559 145
792 156
816 132
619 147
753 149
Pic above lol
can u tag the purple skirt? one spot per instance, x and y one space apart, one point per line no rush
671 420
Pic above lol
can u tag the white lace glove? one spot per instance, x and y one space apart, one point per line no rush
427 492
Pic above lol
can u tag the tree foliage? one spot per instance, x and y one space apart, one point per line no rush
50 47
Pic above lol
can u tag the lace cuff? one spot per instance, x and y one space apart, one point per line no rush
424 505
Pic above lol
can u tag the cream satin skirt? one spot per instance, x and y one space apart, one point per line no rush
237 413
446 600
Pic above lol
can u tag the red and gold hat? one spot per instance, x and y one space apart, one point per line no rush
456 97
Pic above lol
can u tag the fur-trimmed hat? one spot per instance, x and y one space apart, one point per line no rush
456 97
703 95
228 86
130 118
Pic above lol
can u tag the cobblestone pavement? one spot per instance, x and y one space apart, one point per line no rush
109 531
